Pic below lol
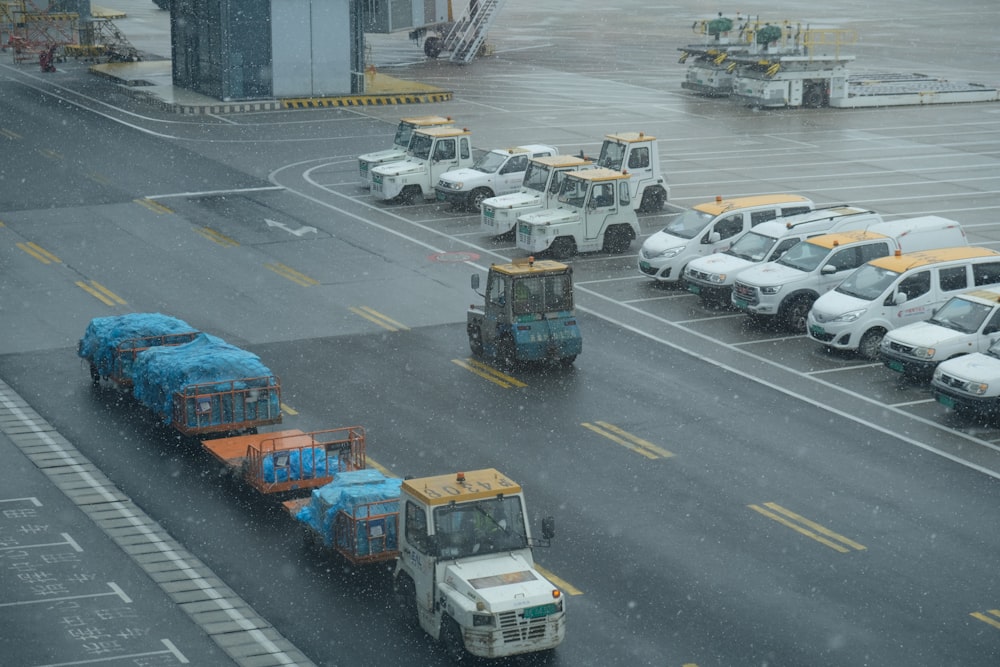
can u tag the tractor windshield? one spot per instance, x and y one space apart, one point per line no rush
536 176
543 293
403 135
612 155
573 192
491 525
420 146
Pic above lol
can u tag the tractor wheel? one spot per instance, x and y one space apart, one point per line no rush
405 594
476 197
653 200
432 47
476 341
617 239
563 248
95 376
506 357
869 344
796 312
410 194
451 639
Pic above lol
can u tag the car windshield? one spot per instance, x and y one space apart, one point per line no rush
752 246
962 315
536 176
490 162
868 282
420 146
689 224
804 256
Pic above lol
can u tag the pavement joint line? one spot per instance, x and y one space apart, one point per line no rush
46 444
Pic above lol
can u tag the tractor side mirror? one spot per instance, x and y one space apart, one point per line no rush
475 281
548 527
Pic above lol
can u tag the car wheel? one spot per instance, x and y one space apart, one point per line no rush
432 47
617 239
652 200
869 344
451 639
506 354
797 312
476 198
410 194
405 593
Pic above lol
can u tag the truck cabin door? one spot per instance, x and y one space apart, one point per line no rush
721 233
601 208
496 315
511 174
917 306
444 158
845 260
639 166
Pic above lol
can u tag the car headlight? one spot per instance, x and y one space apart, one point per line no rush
937 371
924 352
669 252
770 289
976 388
717 278
850 316
482 620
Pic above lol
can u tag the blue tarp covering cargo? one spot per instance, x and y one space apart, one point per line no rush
357 512
297 464
106 337
206 383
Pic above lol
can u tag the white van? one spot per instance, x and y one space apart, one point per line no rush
788 287
711 277
966 323
708 228
889 292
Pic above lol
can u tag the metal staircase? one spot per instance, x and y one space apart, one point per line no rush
467 35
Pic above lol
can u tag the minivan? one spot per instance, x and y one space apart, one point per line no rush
889 292
708 228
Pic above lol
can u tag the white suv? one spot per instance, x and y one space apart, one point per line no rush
498 172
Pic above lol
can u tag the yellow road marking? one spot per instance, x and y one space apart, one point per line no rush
487 372
10 134
217 237
627 440
98 178
154 206
101 293
288 410
378 318
49 153
986 619
39 253
292 274
788 518
371 463
561 583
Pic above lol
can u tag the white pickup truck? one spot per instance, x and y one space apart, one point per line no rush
498 172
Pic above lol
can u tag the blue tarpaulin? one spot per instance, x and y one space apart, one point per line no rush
161 372
307 463
350 492
105 334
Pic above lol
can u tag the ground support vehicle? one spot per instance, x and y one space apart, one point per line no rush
110 345
400 145
463 551
197 384
711 277
965 324
804 67
970 384
637 155
539 189
709 228
593 212
433 151
290 460
498 172
893 291
528 314
788 287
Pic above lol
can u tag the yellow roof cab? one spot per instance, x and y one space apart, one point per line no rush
630 137
443 131
427 121
599 174
989 295
720 205
842 238
911 260
562 160
523 266
461 487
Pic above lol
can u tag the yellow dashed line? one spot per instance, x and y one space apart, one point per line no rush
155 207
488 373
378 318
217 237
292 274
810 529
101 293
39 253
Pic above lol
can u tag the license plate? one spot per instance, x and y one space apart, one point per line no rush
644 266
540 611
740 303
895 365
946 401
816 330
488 213
694 289
440 196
